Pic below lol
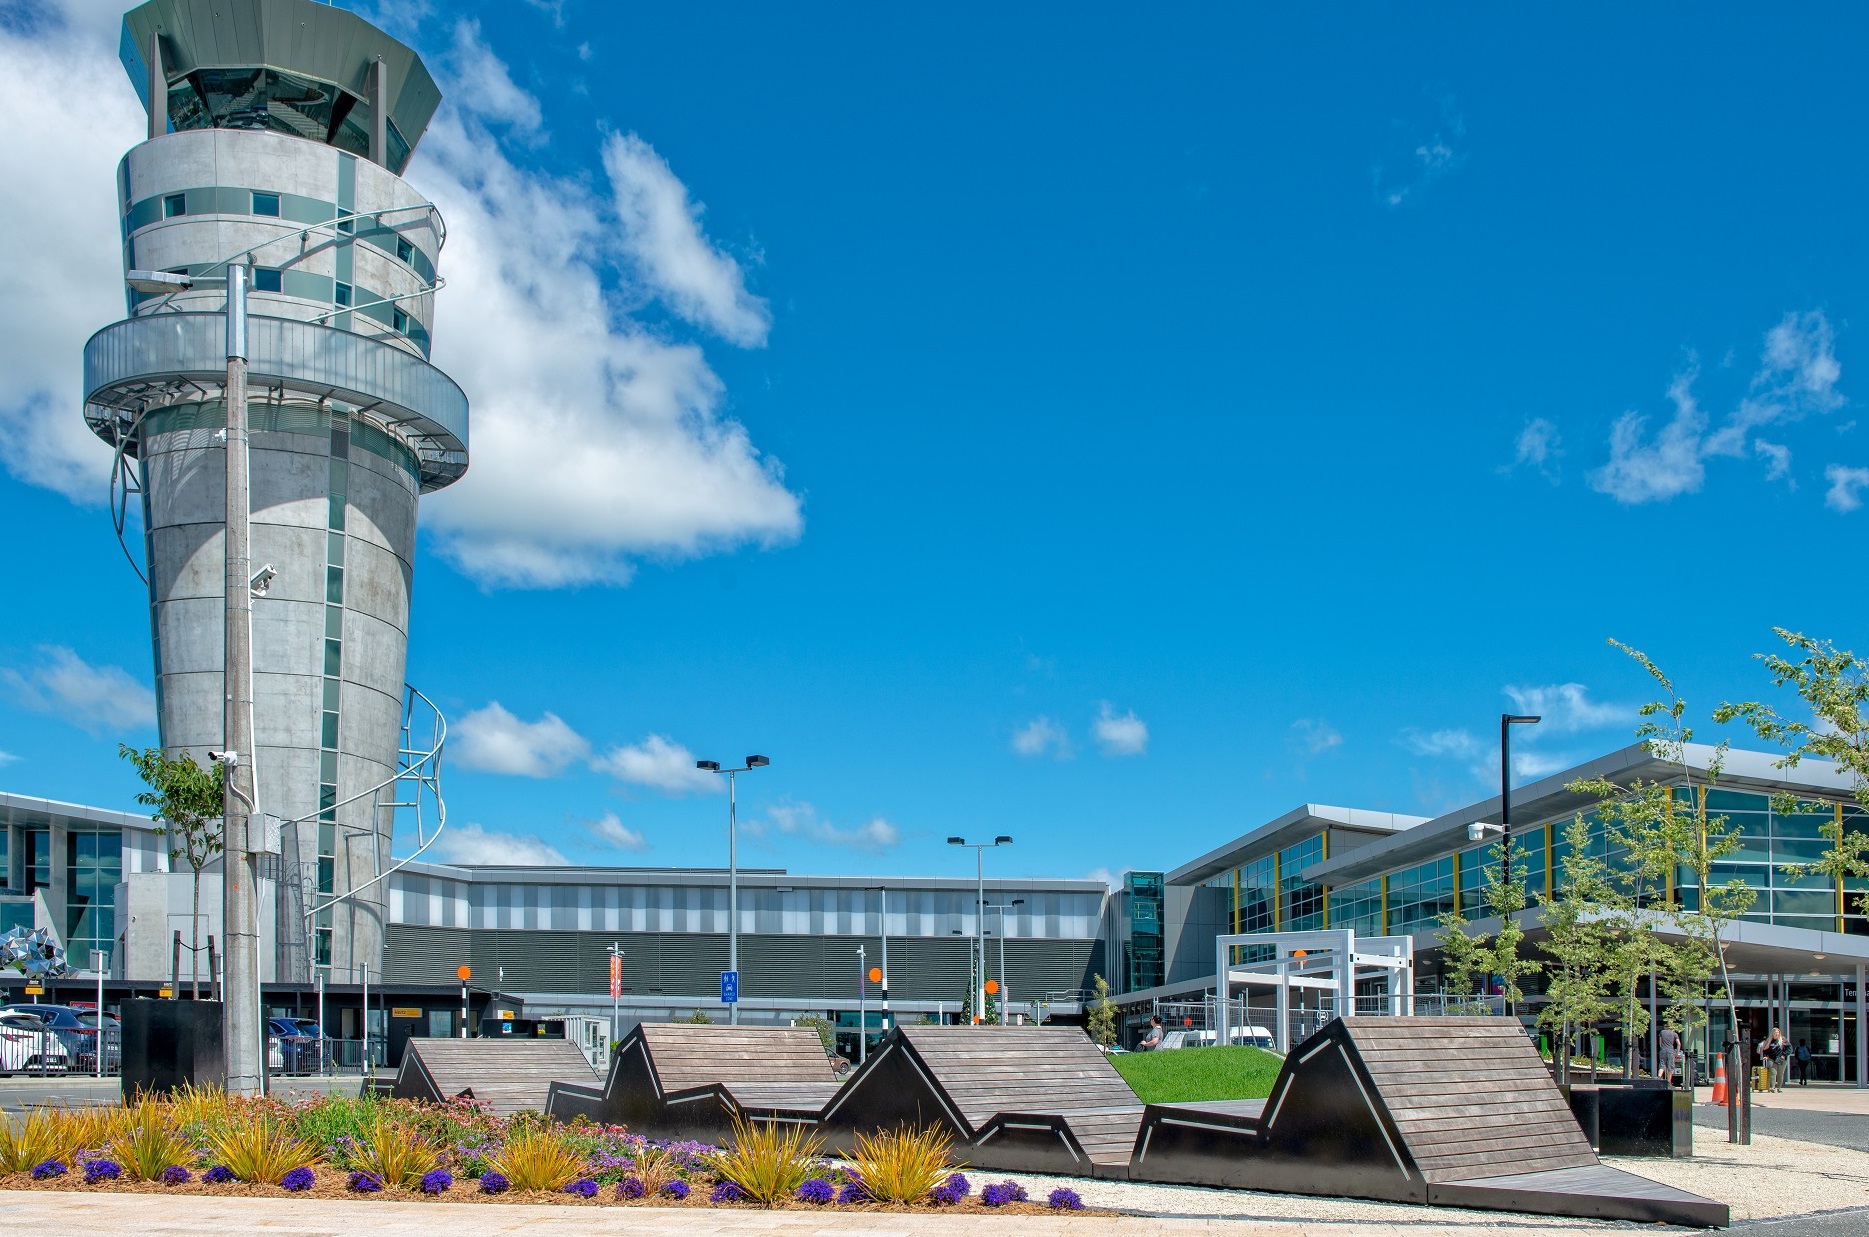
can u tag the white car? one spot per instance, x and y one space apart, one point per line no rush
28 1046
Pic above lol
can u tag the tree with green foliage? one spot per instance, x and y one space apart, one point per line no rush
1660 841
699 1018
1101 1022
188 802
1577 921
1834 684
1470 957
827 1034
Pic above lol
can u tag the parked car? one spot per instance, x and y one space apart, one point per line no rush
27 1045
289 1047
113 1042
63 1022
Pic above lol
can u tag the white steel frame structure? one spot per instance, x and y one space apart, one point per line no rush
1328 961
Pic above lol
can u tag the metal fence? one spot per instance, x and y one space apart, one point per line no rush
48 1051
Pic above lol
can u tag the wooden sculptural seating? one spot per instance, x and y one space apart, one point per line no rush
1035 1099
511 1075
1454 1111
687 1081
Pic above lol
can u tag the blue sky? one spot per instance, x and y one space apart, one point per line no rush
1110 430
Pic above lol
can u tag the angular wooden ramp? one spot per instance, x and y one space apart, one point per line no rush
1034 1099
1459 1111
511 1075
689 1081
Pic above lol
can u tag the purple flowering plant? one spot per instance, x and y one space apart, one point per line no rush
852 1193
726 1192
815 1190
583 1187
676 1189
218 1175
630 1187
365 1183
1001 1193
1062 1199
47 1169
437 1181
951 1191
298 1180
175 1174
494 1183
101 1170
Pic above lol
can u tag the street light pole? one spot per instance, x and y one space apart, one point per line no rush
1506 722
883 890
979 923
863 1009
733 873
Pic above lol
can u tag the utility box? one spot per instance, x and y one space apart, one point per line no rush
172 1044
591 1035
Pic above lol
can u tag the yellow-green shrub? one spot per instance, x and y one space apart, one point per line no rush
150 1142
767 1165
257 1148
902 1165
27 1141
395 1153
537 1161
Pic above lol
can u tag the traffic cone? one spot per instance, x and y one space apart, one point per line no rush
1719 1079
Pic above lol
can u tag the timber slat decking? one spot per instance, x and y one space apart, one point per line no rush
508 1075
1019 1098
1453 1111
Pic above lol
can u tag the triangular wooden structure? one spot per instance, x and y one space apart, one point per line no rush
510 1075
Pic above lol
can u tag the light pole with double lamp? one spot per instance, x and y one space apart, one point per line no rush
979 857
1479 829
1005 1010
733 875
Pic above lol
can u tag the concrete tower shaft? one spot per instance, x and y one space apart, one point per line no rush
276 133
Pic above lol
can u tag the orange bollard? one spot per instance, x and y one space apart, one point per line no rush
1719 1079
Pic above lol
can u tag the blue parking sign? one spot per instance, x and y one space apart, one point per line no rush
729 987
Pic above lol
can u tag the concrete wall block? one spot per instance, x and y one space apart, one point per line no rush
192 632
376 584
187 477
260 159
187 560
288 777
383 499
370 724
286 709
375 653
291 479
298 555
170 163
288 636
192 713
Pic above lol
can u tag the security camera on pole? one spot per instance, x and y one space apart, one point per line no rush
730 978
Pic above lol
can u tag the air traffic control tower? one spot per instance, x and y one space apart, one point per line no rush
278 132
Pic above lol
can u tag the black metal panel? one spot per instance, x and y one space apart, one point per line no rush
1598 1192
171 1044
894 1087
1625 1120
1028 1143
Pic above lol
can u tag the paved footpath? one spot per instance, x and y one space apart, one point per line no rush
153 1215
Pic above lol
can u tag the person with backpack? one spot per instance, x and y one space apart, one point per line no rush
1804 1063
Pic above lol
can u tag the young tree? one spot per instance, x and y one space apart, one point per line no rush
1469 957
1660 842
188 801
1101 1022
1834 684
1578 921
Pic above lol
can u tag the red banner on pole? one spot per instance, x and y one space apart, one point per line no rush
616 976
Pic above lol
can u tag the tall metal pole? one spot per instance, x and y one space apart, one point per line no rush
239 911
733 894
97 958
979 927
863 1009
1505 799
884 890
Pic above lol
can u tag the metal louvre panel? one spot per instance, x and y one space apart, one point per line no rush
413 955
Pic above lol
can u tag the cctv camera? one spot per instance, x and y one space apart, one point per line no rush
227 758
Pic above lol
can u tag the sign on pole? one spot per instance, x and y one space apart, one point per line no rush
729 987
616 976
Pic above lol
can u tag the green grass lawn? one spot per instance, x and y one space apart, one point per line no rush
1181 1074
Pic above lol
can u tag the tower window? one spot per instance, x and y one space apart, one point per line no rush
266 204
175 204
343 294
399 320
265 279
405 252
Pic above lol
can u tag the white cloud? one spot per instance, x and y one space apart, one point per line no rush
1041 735
70 114
598 441
801 820
7 758
1458 743
660 763
1109 879
612 832
662 235
472 67
95 698
1846 486
492 740
1539 447
1122 734
1419 155
1797 375
1567 709
471 844
1777 457
1316 736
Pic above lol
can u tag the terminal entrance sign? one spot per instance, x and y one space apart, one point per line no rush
729 987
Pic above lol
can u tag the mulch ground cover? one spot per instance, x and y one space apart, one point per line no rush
335 1183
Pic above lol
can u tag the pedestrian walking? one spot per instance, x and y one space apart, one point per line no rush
1668 1050
1804 1063
1775 1055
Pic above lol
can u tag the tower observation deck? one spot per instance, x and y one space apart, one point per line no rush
278 131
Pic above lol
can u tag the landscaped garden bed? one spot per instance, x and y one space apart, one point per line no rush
205 1143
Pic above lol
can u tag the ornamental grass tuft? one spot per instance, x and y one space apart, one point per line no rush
149 1143
494 1182
537 1160
1062 1199
299 1180
257 1147
436 1181
583 1187
656 1167
768 1165
902 1165
365 1183
394 1153
29 1141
